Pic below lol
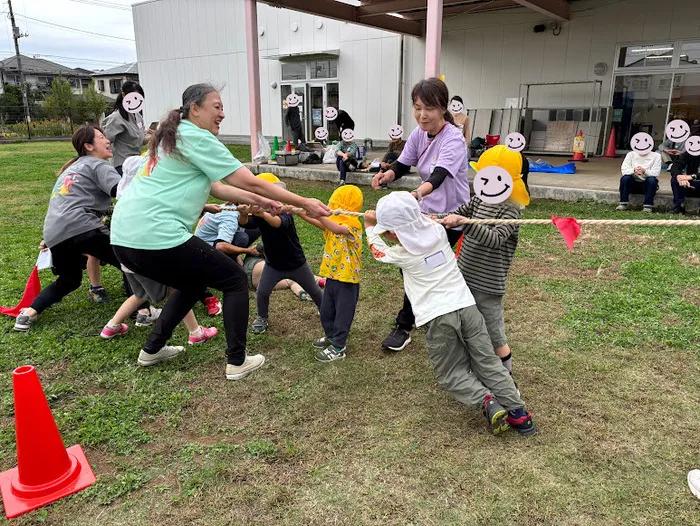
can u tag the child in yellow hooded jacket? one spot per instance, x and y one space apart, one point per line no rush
340 266
486 252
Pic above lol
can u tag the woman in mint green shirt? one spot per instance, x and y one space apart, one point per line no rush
153 221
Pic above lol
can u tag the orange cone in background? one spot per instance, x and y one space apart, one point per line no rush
610 150
46 471
579 148
31 291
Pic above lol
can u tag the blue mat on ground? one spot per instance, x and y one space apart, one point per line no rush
544 167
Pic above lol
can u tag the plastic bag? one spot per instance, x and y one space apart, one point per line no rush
330 155
264 153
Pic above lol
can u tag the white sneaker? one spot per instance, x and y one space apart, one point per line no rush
167 352
694 482
252 363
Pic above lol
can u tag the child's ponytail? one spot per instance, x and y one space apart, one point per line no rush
82 136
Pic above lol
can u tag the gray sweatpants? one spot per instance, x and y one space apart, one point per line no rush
270 277
338 309
464 362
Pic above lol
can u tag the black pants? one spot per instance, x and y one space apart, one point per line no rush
405 319
69 261
338 309
344 166
189 269
297 136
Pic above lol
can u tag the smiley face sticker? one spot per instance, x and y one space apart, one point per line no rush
642 143
293 100
493 184
321 133
692 145
347 134
456 106
330 113
515 141
678 130
133 102
396 131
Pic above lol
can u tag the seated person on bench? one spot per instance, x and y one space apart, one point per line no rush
685 180
670 151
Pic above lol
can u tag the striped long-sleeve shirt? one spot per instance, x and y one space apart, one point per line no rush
487 250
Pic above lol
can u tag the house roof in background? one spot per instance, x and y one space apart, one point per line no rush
40 66
125 69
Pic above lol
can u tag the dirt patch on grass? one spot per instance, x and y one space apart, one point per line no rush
691 295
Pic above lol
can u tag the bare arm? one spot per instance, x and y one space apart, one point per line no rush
271 220
237 195
244 179
325 223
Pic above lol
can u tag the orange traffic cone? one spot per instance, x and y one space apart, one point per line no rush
46 471
610 150
31 291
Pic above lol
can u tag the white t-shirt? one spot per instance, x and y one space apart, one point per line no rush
432 280
651 163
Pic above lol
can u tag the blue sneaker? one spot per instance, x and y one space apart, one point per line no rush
98 294
331 354
259 325
521 421
495 414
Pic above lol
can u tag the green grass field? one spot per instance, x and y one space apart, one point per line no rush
605 340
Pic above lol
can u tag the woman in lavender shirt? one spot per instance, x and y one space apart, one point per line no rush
438 149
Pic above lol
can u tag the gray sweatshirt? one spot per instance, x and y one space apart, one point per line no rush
126 136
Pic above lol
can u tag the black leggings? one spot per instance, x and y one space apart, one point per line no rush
189 269
69 261
405 319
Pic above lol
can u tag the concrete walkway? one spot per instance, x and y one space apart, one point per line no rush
596 180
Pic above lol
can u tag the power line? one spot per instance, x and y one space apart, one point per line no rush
78 59
108 5
76 30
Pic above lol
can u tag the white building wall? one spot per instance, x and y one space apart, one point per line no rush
485 57
177 46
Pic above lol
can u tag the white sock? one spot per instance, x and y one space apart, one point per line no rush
199 331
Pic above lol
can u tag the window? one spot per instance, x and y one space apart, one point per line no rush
101 85
293 71
115 86
645 56
85 83
44 81
75 83
12 80
324 69
690 54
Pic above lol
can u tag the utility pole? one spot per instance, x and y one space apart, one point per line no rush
16 35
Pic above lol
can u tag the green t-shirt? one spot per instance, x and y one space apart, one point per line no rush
159 210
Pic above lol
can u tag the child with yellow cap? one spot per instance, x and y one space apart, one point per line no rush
341 267
284 257
487 251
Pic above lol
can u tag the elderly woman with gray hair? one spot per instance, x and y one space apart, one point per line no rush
152 224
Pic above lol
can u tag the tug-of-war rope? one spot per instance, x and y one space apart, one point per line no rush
569 227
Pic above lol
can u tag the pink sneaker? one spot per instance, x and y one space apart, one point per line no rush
110 332
207 332
213 305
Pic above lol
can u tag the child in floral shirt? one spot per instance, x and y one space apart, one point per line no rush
341 268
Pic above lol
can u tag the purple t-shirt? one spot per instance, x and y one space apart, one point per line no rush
448 150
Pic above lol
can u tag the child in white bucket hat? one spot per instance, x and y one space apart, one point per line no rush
459 345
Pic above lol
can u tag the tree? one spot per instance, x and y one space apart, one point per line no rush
94 103
11 108
59 100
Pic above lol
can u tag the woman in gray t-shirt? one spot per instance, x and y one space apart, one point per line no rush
126 131
73 226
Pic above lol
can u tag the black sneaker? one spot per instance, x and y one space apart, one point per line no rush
678 210
495 415
397 340
521 421
98 294
322 343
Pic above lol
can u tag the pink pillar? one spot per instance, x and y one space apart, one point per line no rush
433 38
251 43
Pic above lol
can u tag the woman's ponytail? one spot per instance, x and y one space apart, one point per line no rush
449 118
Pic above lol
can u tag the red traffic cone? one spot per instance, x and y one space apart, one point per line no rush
46 471
579 148
288 148
610 150
31 291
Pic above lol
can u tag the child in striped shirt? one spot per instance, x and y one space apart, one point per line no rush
486 252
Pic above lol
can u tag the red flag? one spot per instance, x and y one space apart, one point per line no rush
569 228
459 245
31 291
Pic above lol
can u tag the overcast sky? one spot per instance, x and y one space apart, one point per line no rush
80 49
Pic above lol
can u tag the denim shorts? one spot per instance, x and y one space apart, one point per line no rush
491 308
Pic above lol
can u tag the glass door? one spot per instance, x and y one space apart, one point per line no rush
332 99
317 102
640 104
300 90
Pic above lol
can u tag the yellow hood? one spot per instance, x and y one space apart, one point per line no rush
510 161
346 197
